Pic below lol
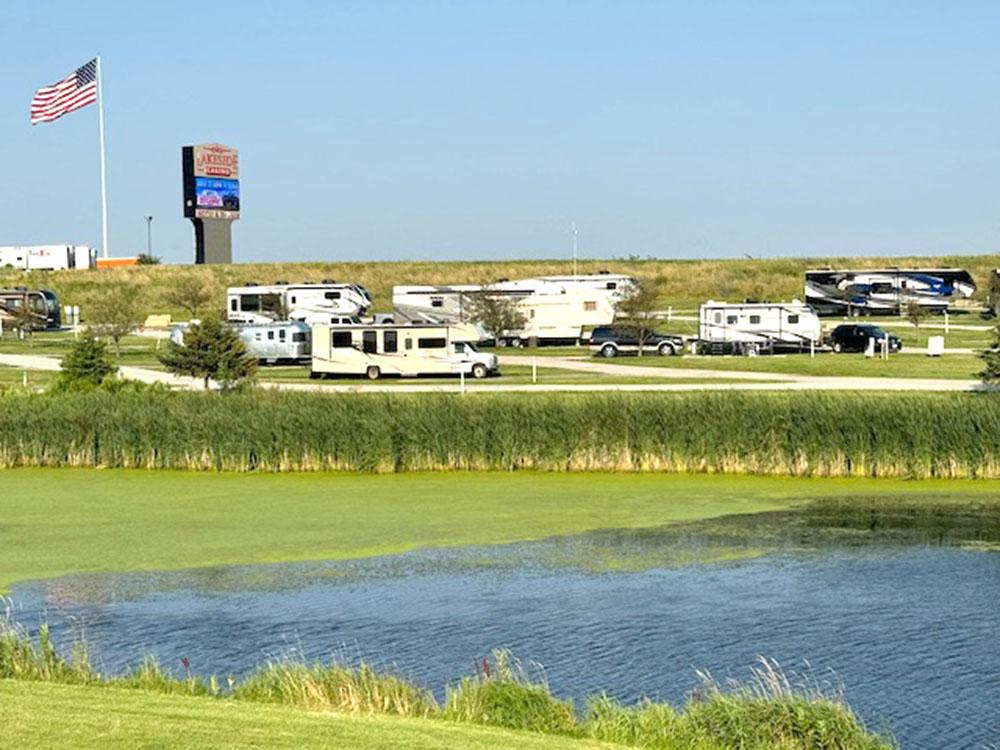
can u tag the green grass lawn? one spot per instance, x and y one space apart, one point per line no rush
45 715
60 521
15 377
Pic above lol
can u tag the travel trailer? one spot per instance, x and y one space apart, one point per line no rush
404 350
44 306
885 290
269 343
556 309
47 257
325 302
757 327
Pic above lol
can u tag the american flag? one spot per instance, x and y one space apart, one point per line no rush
76 90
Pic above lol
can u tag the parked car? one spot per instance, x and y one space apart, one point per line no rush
610 341
854 338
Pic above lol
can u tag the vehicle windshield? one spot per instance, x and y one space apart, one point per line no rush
873 331
51 302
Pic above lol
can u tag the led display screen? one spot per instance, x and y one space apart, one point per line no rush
216 193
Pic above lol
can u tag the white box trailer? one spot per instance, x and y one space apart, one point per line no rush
47 257
406 350
757 327
312 303
556 309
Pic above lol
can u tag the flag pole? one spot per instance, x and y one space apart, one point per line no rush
104 168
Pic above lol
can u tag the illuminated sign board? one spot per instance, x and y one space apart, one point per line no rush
211 175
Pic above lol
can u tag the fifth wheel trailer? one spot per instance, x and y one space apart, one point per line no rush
326 302
757 327
556 309
885 290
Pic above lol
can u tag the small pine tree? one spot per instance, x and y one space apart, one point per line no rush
991 360
87 363
211 351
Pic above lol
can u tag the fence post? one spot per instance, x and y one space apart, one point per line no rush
461 382
946 321
812 347
534 369
885 347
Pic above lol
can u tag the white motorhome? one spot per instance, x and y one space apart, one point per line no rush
886 290
47 257
753 327
556 309
312 303
404 350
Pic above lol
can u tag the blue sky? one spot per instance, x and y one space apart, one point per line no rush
441 130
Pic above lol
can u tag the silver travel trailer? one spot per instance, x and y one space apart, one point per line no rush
406 350
312 303
757 327
556 309
268 343
885 290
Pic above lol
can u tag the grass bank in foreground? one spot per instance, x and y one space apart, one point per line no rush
62 521
765 712
807 434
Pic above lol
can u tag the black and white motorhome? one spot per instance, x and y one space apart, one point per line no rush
757 327
885 290
312 303
556 309
289 341
43 304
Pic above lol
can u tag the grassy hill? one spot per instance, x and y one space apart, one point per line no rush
684 284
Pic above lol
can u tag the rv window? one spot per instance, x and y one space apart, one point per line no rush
299 337
389 343
437 303
257 336
369 342
612 285
332 295
232 304
270 302
342 340
431 344
718 319
270 335
731 319
281 334
589 306
293 300
755 320
250 302
881 288
409 344
793 319
459 347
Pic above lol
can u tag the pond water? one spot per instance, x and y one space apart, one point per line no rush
911 633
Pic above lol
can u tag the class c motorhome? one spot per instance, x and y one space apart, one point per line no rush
405 350
312 303
757 327
556 309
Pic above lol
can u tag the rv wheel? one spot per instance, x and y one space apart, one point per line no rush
515 343
373 372
666 350
608 351
479 371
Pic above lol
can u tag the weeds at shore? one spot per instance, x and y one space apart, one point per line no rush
765 712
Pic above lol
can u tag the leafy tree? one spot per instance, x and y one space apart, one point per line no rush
636 310
23 319
115 313
496 312
145 259
87 362
991 360
191 294
915 312
212 351
993 293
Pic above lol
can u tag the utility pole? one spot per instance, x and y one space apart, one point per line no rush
149 235
574 249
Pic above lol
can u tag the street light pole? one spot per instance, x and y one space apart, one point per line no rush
149 235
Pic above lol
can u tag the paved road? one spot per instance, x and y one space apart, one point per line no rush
785 382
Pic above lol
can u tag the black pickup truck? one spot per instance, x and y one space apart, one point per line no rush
609 341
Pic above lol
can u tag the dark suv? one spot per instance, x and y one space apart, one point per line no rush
854 338
609 341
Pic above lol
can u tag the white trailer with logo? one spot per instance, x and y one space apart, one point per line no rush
313 303
375 351
47 257
757 327
556 309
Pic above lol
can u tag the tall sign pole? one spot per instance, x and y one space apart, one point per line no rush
104 167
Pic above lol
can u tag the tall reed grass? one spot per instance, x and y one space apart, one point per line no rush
802 434
765 712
